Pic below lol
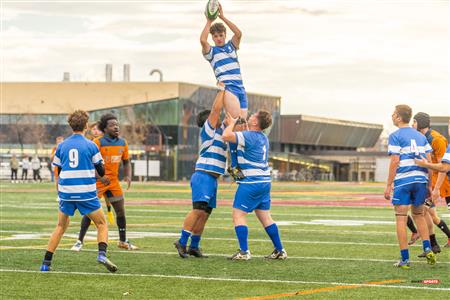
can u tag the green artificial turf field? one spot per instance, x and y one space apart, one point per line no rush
340 239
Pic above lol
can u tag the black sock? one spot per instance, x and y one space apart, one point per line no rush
447 200
102 248
411 225
433 240
122 224
85 223
48 258
443 226
108 207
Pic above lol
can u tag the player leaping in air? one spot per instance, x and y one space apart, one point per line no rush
224 61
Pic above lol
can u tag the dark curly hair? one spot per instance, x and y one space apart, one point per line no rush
202 117
104 121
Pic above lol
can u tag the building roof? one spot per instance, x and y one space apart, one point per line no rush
308 130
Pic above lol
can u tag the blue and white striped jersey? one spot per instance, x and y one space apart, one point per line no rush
225 64
253 153
408 143
212 154
76 157
446 159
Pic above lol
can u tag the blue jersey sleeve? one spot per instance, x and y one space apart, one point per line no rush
96 156
57 158
394 145
245 139
207 132
446 157
209 56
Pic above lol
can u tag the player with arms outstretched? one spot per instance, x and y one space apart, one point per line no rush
77 159
224 61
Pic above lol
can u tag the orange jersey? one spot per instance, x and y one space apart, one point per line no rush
439 145
113 152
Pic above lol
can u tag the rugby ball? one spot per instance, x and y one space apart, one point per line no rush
212 9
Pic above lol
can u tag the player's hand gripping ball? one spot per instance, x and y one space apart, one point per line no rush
212 9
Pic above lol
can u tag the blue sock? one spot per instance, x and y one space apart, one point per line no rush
184 237
101 253
233 154
242 235
426 245
405 254
272 231
195 241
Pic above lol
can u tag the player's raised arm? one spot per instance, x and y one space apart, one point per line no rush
204 37
228 134
236 39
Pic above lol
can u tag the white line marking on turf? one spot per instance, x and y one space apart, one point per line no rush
227 255
226 279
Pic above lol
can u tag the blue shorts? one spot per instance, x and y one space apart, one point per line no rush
410 194
204 188
240 94
84 207
251 196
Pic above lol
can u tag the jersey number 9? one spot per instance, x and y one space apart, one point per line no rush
73 158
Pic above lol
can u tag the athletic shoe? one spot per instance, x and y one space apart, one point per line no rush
77 246
241 255
182 252
403 264
107 263
436 249
45 268
110 217
277 254
431 257
448 206
414 238
236 173
197 252
127 245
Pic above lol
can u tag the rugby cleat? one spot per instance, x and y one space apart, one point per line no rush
127 245
414 238
403 264
241 255
431 257
45 267
235 173
436 249
107 263
277 254
77 246
196 252
182 252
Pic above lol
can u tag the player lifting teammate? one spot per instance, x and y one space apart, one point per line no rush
210 165
224 61
77 159
253 193
408 181
114 150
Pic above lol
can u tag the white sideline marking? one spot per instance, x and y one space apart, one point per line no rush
149 234
227 255
226 279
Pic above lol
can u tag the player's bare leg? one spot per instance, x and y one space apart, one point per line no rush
55 239
418 214
197 232
102 238
189 224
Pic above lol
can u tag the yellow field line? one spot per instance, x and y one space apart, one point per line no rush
320 290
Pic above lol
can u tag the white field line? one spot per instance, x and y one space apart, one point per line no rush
170 235
227 255
227 279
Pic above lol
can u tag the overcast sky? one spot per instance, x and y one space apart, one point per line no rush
347 59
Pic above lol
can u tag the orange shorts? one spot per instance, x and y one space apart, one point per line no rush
112 192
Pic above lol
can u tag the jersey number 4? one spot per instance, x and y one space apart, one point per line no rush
73 158
414 148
